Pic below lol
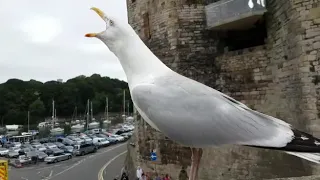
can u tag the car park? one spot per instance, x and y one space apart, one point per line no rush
55 149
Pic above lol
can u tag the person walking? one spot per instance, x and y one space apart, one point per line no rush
139 173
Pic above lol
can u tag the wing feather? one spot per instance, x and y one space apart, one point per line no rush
196 115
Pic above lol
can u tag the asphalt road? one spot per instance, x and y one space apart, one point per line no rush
103 165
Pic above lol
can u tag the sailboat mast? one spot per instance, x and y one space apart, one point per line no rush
28 120
134 113
107 108
91 111
128 105
88 114
53 113
124 105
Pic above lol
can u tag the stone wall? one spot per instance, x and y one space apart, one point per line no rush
280 78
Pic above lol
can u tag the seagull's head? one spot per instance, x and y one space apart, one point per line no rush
116 30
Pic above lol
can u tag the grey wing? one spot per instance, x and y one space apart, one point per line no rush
207 118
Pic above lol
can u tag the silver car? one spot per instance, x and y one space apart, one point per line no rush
4 151
12 154
58 155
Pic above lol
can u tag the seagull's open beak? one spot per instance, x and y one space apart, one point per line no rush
102 15
91 35
99 12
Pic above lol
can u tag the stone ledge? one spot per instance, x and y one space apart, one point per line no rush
315 177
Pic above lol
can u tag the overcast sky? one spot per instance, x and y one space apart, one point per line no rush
44 40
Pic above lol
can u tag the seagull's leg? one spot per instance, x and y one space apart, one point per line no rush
195 162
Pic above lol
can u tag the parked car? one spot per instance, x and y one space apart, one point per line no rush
59 144
110 139
119 138
15 149
68 149
100 142
78 140
38 154
82 149
86 139
50 145
66 141
12 154
57 156
27 145
25 150
17 144
44 140
40 147
23 159
4 151
8 145
50 151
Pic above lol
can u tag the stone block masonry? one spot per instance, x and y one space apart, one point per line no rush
280 78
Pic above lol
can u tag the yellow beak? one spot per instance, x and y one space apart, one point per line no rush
91 35
101 14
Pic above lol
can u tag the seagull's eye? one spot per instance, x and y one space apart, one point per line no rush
111 23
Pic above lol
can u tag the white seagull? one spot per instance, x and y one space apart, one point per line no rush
192 113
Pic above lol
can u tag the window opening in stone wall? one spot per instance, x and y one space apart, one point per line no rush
146 25
132 1
241 39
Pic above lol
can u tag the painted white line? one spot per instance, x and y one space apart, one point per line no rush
57 165
100 174
50 173
24 178
79 162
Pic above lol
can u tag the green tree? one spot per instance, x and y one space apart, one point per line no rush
37 108
17 97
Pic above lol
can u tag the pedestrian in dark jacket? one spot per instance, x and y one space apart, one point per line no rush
124 176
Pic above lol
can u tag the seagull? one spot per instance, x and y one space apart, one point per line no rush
193 114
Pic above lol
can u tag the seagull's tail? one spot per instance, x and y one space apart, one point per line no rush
302 145
313 157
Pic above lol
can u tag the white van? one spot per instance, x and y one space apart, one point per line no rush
101 142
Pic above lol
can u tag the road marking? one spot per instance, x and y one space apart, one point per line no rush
24 178
57 165
100 174
50 173
79 162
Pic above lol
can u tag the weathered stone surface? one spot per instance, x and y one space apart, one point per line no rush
280 78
